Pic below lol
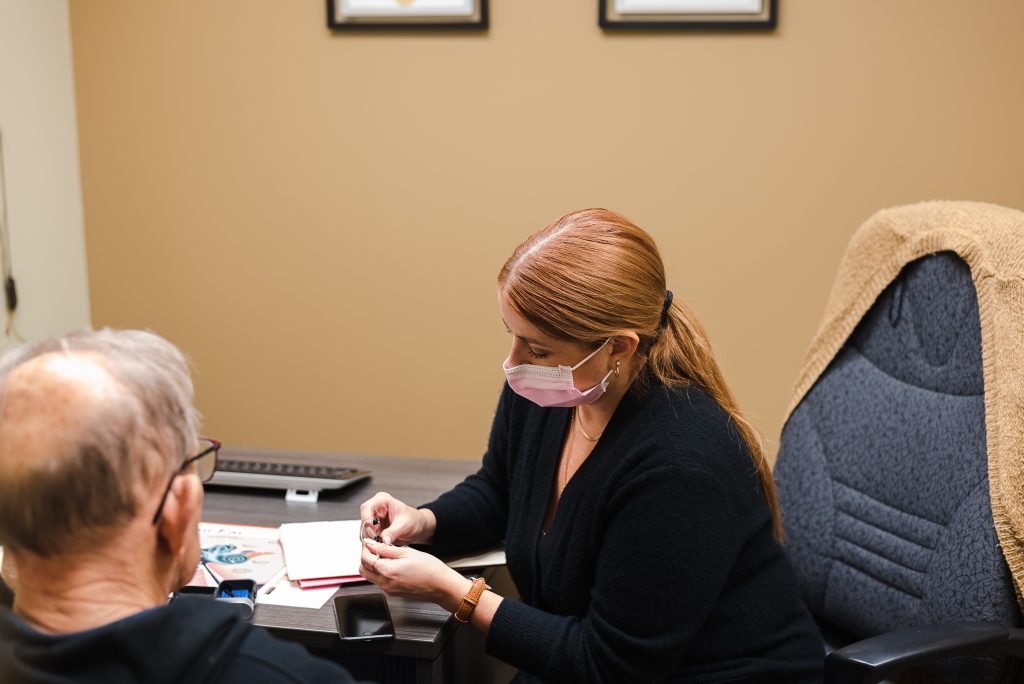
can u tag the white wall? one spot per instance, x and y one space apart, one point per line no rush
40 140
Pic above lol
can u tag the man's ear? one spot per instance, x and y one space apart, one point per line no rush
8 570
182 510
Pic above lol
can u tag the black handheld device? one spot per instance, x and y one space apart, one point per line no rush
194 592
364 617
240 593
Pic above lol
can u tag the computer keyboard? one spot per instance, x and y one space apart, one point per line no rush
302 482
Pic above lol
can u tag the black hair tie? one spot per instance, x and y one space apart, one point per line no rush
665 308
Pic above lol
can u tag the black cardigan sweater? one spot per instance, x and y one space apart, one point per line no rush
660 564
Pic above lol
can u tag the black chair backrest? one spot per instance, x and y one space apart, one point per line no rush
882 468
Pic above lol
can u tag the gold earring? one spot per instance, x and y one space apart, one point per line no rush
617 364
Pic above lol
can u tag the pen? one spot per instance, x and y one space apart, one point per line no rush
216 578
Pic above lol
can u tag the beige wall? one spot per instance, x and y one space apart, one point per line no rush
318 219
44 196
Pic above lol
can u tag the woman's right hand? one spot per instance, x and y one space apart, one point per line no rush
395 522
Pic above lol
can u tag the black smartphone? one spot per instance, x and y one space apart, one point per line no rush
364 617
189 592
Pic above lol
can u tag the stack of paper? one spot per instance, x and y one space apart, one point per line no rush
280 591
321 554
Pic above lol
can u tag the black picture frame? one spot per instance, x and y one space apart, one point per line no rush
765 20
479 21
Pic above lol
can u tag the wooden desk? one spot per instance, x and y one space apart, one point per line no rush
423 650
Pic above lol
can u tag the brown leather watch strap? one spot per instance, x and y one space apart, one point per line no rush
470 600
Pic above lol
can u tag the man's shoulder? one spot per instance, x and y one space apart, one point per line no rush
190 640
248 653
262 657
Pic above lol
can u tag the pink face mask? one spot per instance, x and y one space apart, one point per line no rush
552 386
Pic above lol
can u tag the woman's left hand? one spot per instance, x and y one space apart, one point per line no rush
404 571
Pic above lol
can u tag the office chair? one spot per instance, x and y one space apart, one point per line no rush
883 480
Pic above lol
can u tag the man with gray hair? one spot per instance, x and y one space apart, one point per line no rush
100 499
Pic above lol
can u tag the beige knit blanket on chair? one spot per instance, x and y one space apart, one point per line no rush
990 239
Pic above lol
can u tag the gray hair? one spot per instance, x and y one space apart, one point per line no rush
137 437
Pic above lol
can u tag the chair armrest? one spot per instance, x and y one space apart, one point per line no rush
874 659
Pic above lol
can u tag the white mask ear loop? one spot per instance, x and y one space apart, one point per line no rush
590 356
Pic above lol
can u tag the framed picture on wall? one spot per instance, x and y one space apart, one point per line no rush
407 14
687 14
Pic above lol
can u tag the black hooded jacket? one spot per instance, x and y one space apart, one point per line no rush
190 640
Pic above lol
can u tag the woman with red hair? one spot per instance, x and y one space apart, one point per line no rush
637 509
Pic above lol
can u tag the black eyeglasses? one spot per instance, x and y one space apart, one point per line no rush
206 466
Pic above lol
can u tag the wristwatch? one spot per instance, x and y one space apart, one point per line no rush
470 600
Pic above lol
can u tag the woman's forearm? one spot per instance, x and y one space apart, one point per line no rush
485 610
455 589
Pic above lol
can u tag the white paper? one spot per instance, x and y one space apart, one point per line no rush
321 549
281 591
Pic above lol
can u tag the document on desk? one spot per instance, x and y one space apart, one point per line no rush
281 591
237 552
321 549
